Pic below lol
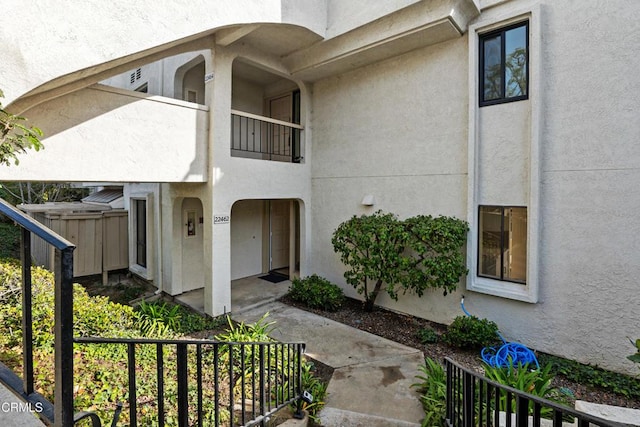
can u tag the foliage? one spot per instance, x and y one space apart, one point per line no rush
16 137
166 318
427 336
432 386
593 376
9 240
315 386
157 318
316 292
470 332
41 192
100 370
635 357
383 253
532 381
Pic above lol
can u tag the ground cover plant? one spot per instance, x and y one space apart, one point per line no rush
100 370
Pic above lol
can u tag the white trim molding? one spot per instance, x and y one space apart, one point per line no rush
530 291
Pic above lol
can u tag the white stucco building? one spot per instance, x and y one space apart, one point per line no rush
245 132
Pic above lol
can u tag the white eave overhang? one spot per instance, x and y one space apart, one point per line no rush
422 24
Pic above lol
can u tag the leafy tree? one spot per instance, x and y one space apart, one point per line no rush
40 192
384 253
371 246
15 136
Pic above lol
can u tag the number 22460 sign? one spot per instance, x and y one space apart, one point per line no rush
221 219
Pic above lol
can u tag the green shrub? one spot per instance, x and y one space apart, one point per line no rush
9 240
593 376
532 381
470 332
433 393
316 292
427 336
315 386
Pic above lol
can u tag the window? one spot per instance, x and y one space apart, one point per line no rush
140 212
502 245
504 64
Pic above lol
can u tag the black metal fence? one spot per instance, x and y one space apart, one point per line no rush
265 138
473 400
233 383
62 412
208 383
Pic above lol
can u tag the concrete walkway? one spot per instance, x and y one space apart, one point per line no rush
14 412
372 378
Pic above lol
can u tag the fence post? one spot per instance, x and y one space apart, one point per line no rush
27 307
63 408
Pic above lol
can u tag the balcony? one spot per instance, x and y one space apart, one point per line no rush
104 134
259 137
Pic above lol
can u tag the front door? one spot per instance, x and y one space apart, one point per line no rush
280 109
279 234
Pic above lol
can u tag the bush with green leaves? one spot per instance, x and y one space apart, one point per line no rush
470 332
15 136
9 239
522 377
432 386
100 370
316 292
593 376
428 336
383 253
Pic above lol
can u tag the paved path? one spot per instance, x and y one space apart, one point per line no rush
372 377
14 412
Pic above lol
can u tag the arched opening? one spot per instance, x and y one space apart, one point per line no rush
189 81
266 115
265 237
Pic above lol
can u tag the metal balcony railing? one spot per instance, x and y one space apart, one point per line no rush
247 382
473 400
265 138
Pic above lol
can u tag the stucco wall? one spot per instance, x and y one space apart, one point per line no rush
395 130
398 130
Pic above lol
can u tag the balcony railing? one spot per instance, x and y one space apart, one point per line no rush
196 382
265 138
473 400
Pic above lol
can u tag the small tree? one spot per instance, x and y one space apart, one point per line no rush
371 246
382 252
15 137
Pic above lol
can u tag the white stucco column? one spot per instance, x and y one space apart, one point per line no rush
217 212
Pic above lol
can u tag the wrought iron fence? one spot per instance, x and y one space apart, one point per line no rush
245 382
473 400
204 382
265 138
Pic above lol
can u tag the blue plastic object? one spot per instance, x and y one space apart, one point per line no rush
510 353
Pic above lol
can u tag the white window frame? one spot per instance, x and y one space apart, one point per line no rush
528 292
134 267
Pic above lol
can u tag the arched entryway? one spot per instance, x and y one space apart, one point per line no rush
265 236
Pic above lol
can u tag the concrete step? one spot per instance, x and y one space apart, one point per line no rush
342 418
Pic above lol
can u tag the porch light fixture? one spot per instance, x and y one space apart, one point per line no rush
368 200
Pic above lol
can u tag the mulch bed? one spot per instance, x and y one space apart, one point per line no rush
404 329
